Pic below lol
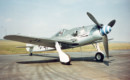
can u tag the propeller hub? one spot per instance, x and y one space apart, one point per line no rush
105 30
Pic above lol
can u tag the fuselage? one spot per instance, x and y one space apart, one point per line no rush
82 35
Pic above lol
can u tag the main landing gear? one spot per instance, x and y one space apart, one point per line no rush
64 58
99 55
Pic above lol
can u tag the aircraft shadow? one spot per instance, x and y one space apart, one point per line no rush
38 61
87 59
41 55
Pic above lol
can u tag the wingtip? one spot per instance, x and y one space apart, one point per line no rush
5 37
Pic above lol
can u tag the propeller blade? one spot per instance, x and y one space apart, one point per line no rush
93 19
105 43
112 23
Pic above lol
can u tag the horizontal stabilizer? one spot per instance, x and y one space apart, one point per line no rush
98 41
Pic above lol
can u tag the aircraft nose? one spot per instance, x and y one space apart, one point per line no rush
105 30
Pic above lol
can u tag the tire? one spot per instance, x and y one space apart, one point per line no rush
99 57
30 54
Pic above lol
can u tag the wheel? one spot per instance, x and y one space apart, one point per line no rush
99 56
30 54
68 63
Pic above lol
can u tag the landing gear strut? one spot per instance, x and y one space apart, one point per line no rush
64 58
31 50
99 55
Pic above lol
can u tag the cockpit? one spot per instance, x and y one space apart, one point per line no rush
61 32
81 31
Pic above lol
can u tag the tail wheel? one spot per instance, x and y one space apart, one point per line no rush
99 56
30 54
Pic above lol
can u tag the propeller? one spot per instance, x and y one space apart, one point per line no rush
93 19
112 23
105 44
104 30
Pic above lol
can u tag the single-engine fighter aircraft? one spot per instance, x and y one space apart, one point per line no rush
65 39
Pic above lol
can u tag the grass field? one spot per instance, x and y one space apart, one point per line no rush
9 47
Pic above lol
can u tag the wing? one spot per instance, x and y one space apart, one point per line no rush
38 41
32 40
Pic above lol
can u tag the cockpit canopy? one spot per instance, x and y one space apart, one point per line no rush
76 32
61 32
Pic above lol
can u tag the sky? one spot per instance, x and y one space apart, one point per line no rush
43 18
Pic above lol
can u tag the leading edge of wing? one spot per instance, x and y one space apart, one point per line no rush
48 42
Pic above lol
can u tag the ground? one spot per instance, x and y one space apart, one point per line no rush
83 67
